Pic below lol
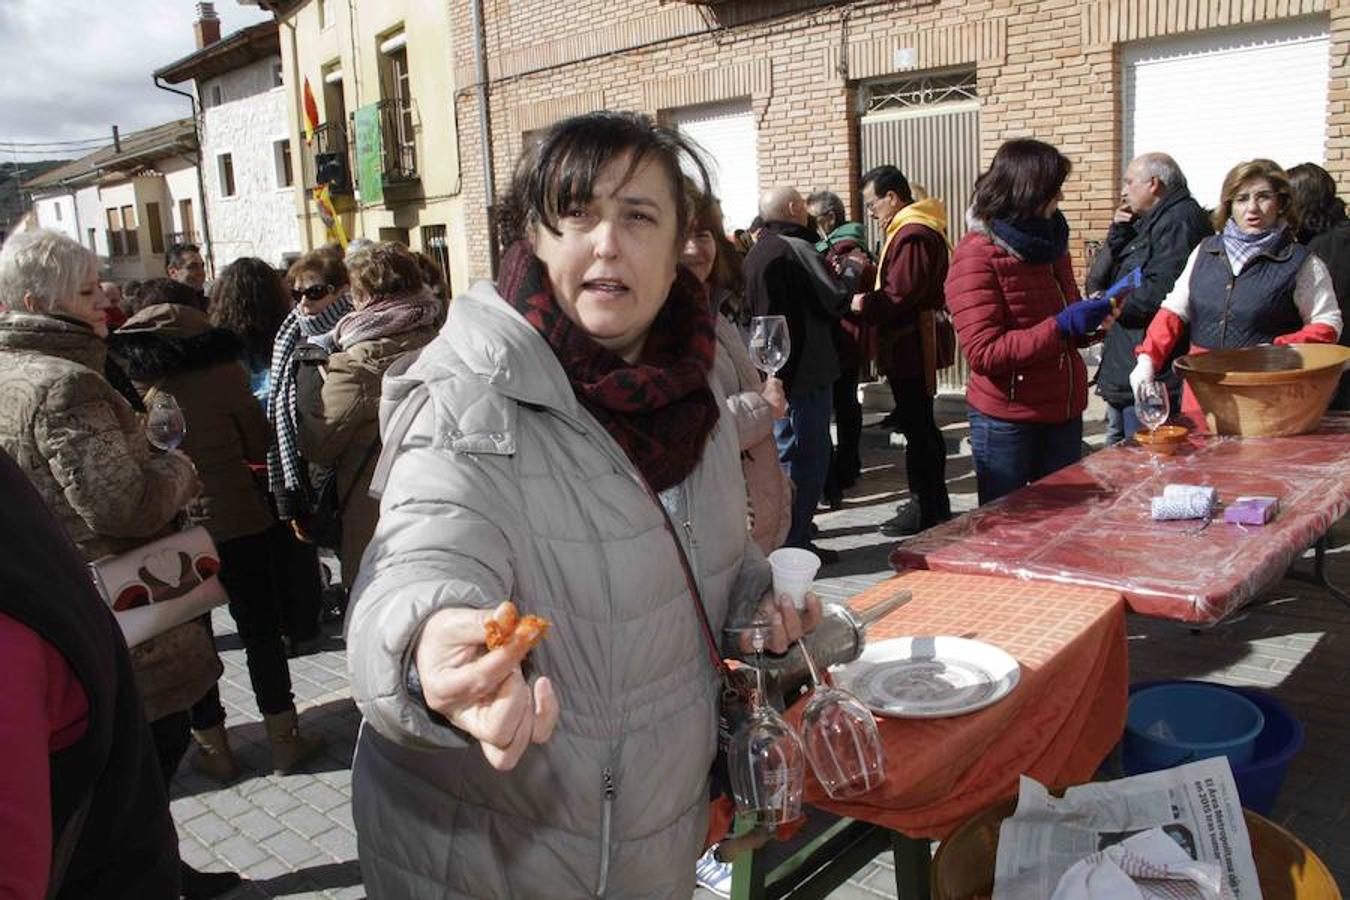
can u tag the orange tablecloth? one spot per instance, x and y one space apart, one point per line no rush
1057 725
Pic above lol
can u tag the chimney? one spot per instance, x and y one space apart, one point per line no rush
207 27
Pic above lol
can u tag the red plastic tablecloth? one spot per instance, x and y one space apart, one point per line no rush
1057 725
1089 524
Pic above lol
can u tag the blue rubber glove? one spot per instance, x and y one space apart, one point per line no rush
1083 317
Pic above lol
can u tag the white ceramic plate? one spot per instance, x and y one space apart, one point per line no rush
929 677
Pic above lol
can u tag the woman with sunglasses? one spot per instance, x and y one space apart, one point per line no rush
321 296
393 314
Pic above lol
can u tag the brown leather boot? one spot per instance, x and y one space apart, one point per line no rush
290 748
213 758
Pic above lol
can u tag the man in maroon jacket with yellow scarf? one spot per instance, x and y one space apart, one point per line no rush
903 304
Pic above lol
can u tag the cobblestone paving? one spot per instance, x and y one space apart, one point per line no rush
292 836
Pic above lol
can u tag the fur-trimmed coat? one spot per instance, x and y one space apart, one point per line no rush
174 348
79 442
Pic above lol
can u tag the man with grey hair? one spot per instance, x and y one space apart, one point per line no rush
1155 228
784 275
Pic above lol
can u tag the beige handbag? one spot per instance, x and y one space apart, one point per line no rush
160 594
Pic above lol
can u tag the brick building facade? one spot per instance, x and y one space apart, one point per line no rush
1046 68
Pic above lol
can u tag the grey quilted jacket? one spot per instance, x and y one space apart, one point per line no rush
498 484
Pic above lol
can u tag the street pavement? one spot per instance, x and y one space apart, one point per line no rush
292 836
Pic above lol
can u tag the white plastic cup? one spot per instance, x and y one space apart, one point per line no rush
794 571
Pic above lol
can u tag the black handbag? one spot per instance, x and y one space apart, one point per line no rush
321 522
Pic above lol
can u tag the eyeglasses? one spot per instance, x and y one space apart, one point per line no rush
313 292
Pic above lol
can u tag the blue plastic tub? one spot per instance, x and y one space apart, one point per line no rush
1259 780
1171 724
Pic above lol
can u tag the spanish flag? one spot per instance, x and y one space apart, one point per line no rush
311 113
328 214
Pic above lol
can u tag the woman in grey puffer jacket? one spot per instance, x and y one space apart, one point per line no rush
559 445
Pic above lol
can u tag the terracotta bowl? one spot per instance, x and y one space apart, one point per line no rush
1265 391
1166 441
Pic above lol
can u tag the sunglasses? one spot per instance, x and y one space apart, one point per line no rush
313 292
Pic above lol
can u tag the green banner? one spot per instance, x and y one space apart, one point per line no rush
369 161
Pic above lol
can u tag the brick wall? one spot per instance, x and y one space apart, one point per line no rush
1046 68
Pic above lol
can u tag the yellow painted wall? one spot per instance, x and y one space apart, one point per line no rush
352 37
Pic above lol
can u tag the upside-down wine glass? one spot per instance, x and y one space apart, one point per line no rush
770 344
841 739
765 759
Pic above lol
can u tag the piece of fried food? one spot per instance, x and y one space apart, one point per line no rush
508 626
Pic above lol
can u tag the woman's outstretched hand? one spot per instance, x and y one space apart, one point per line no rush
481 691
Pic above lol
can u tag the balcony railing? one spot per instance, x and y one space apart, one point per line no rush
330 158
398 141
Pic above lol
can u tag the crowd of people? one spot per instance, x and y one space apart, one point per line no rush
585 437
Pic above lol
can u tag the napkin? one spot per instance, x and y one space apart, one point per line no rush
1145 866
1184 501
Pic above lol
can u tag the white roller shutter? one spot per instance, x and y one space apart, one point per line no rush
1216 99
726 132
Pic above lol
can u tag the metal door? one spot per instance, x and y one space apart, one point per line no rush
929 127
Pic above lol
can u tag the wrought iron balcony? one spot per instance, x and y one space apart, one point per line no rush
331 158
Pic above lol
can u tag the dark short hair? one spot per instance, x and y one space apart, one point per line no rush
322 264
1315 200
154 291
1025 175
561 170
250 299
707 216
175 256
886 180
828 201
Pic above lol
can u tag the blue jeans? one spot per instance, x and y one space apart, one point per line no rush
803 440
1121 423
1009 455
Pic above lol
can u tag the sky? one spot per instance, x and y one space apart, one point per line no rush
74 68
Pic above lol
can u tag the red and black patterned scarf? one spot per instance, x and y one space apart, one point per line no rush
659 409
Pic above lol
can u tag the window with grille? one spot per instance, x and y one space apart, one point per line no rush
435 245
920 90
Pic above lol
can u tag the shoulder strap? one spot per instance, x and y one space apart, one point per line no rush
695 594
365 461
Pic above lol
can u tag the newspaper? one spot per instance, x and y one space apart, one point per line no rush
1196 805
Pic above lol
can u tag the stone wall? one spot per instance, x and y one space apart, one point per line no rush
259 220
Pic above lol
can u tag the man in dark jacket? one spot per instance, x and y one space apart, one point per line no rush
844 245
1155 229
784 275
902 302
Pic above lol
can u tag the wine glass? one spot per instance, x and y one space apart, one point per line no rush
1152 406
770 344
765 757
841 739
165 426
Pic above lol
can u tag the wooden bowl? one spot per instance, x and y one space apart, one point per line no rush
1166 441
1265 391
963 868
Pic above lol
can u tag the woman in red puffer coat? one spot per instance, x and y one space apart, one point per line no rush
1013 299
